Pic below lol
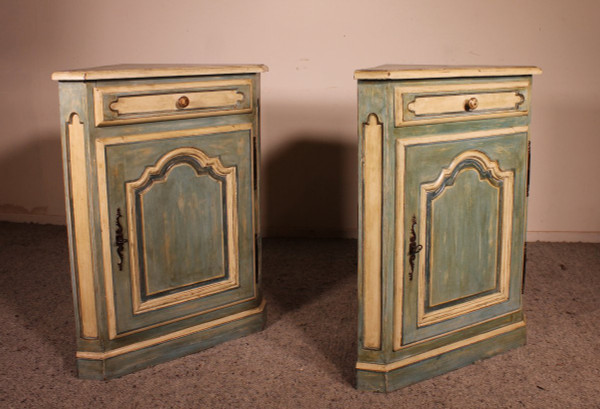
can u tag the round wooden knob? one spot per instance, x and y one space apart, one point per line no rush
183 102
471 104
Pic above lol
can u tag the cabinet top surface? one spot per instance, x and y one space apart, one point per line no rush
399 72
125 71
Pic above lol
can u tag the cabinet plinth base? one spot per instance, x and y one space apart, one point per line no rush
398 374
122 361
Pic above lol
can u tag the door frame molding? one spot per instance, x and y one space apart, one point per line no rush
399 254
507 177
105 223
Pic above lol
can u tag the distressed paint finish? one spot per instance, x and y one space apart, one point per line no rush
372 240
404 72
184 199
419 104
79 193
132 71
451 260
462 176
187 193
151 102
467 210
129 161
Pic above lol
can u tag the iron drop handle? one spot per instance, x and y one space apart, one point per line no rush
120 240
413 248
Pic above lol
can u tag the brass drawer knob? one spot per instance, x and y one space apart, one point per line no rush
471 104
182 102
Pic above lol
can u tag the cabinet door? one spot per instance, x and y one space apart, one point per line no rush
178 225
462 228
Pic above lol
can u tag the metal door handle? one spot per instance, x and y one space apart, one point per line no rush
413 248
120 240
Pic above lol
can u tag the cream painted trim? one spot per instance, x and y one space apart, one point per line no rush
456 103
478 86
172 336
161 107
142 104
124 71
81 227
115 140
105 226
401 145
507 177
372 217
399 251
230 175
420 140
434 104
105 223
395 72
454 331
162 323
469 117
364 366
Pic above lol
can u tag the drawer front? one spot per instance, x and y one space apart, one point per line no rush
430 104
115 105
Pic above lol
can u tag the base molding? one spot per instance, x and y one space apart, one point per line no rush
109 365
398 374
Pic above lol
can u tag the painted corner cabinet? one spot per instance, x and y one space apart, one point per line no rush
443 186
161 179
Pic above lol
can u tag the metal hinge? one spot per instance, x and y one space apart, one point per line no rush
257 257
528 165
255 164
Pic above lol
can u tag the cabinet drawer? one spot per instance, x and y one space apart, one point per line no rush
429 104
115 105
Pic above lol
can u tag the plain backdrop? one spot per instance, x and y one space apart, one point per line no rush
312 47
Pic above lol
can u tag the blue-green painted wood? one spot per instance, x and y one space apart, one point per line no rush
133 361
109 97
177 253
74 100
464 257
522 108
128 161
472 220
461 255
374 97
239 149
438 365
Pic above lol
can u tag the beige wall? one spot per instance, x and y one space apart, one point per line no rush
309 100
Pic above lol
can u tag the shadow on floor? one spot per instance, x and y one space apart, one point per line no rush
311 284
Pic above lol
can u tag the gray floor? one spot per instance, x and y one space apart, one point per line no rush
305 356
